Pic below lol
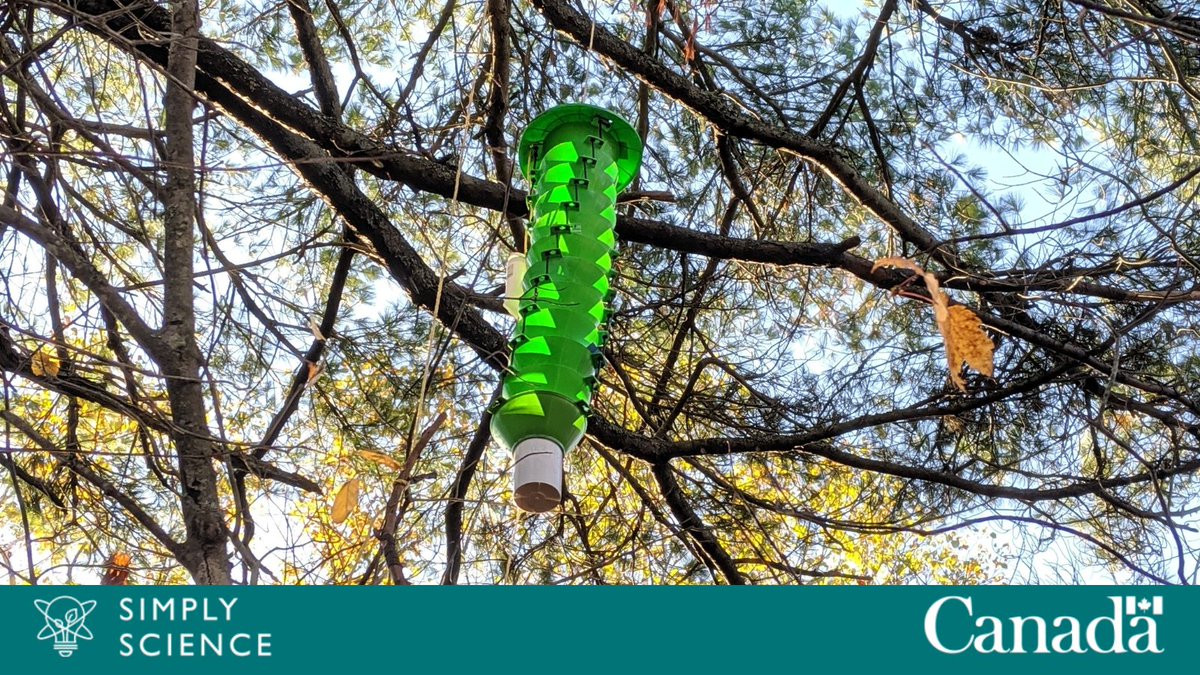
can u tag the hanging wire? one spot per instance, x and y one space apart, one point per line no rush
455 212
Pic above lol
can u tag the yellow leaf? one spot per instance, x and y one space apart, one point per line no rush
961 329
966 343
44 364
380 458
346 500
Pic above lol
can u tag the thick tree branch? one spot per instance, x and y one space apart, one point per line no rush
497 107
206 552
314 54
425 175
456 502
715 555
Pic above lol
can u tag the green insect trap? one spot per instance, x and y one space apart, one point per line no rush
577 159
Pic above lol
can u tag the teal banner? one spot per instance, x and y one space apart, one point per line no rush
595 630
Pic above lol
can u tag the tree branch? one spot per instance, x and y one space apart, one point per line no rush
717 110
105 486
456 502
715 556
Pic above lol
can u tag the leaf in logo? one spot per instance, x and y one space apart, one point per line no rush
64 617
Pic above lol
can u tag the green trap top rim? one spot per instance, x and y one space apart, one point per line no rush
567 113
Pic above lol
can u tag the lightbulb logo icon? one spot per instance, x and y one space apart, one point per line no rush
64 622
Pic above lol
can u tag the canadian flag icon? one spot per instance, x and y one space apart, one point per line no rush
1134 605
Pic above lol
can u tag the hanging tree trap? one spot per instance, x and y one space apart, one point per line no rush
577 158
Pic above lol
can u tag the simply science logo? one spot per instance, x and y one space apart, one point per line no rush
1121 625
64 617
149 627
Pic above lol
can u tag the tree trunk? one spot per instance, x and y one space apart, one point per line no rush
206 555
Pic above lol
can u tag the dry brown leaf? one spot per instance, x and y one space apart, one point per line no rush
971 345
962 331
314 371
380 458
1123 420
116 572
44 365
346 500
689 47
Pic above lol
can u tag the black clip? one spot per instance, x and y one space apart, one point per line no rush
597 357
495 407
